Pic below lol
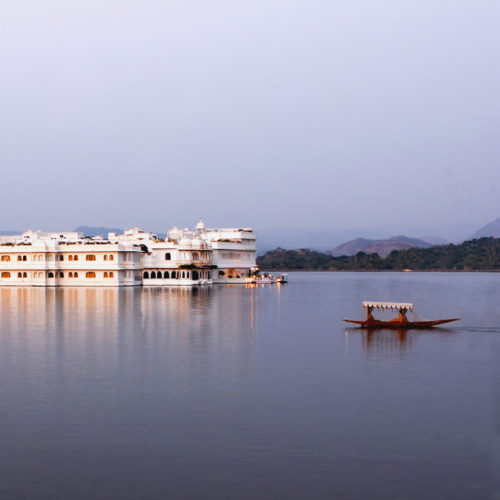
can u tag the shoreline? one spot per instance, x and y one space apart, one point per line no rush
273 270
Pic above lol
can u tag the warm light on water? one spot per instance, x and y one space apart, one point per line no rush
251 392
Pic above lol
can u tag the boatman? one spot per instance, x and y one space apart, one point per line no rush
369 316
402 316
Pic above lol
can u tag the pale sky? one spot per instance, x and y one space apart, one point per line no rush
249 113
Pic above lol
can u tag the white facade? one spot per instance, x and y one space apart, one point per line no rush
185 257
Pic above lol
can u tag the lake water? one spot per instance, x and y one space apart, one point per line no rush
234 392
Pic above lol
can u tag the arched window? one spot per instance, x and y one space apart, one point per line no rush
111 257
75 257
208 274
195 275
50 274
19 258
19 275
61 275
166 275
25 258
195 256
70 257
5 258
25 275
111 274
173 274
168 256
90 257
183 274
75 275
105 257
153 275
5 275
90 274
145 275
61 257
105 274
70 273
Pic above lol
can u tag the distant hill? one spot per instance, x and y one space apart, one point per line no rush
491 229
480 254
9 233
97 231
317 238
326 238
103 231
434 240
381 247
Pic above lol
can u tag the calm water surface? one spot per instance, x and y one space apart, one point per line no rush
233 392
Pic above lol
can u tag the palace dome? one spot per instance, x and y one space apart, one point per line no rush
185 242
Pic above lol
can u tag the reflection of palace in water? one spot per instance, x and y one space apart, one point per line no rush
120 323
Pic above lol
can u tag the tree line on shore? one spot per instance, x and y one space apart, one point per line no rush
474 255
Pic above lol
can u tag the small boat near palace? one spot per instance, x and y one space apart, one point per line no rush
255 277
401 321
265 279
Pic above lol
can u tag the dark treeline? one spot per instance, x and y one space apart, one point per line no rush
481 254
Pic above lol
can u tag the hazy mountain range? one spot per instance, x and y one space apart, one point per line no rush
9 233
325 239
103 231
382 247
491 229
97 231
334 240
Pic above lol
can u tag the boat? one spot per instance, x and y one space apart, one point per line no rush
282 278
255 277
264 279
401 321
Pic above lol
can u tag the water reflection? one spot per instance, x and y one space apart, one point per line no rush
392 341
234 392
387 341
106 325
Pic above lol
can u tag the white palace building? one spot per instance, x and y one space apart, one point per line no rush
135 258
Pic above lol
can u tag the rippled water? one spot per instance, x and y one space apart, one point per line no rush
233 392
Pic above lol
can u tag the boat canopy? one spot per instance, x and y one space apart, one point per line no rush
388 305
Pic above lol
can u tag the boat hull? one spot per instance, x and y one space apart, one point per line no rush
399 324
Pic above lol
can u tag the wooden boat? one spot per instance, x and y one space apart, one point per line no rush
254 277
282 278
259 279
400 322
265 280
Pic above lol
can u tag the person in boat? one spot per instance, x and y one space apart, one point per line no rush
401 317
369 315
